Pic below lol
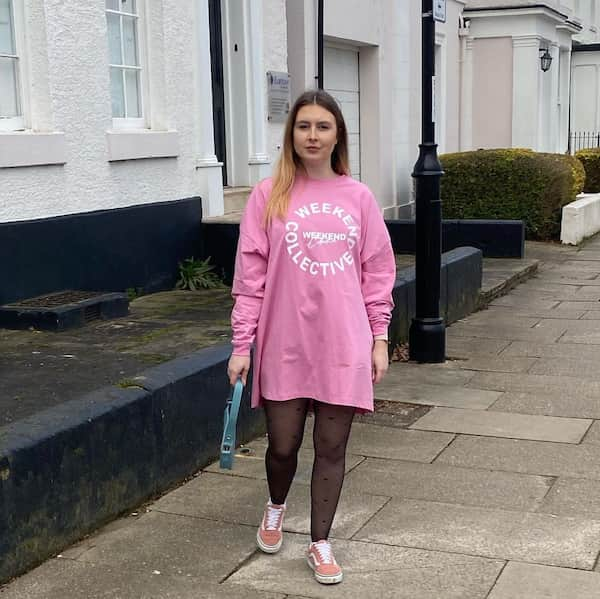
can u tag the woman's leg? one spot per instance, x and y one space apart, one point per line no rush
285 428
331 432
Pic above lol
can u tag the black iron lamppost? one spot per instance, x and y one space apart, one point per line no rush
427 334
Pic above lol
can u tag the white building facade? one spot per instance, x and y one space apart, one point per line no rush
113 103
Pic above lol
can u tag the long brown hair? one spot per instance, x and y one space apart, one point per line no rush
289 161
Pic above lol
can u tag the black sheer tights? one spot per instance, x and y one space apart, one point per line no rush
285 427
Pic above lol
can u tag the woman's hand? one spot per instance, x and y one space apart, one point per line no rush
380 359
238 367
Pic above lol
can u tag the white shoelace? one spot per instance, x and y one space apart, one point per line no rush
325 553
274 515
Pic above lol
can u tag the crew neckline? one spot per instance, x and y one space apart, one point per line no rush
328 180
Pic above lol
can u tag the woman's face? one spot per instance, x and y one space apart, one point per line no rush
315 135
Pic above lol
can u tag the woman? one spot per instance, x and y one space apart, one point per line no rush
313 279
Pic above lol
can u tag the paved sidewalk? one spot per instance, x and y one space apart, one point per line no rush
477 479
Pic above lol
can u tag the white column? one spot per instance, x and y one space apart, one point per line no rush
554 141
526 86
258 159
466 97
301 18
565 98
208 168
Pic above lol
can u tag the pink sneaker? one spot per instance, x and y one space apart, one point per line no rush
269 536
320 558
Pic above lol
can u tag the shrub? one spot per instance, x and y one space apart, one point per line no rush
511 184
591 163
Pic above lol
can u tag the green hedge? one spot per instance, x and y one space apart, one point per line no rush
591 163
511 184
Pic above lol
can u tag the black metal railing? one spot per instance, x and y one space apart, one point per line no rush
582 140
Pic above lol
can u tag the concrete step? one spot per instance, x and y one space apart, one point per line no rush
235 198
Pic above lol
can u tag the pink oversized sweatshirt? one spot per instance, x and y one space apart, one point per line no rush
311 291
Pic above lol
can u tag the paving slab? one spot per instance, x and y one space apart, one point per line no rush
436 395
498 316
238 500
542 333
440 482
566 406
253 465
527 457
537 284
582 366
582 331
498 364
587 254
172 544
569 278
579 305
593 435
581 265
501 424
406 373
551 350
532 581
591 315
538 538
539 313
535 384
461 347
516 301
396 444
68 579
573 497
587 292
372 570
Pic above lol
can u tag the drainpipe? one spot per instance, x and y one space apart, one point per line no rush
320 44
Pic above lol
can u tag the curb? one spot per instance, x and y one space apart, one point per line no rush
489 295
69 469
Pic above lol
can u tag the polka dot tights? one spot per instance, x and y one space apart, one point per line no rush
285 428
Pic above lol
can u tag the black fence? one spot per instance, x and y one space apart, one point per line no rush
581 140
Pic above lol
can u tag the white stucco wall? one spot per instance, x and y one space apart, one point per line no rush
492 114
539 113
585 102
74 51
275 59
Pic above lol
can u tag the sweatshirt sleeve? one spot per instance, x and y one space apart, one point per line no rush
378 270
250 274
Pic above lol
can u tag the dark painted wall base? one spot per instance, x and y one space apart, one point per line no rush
460 284
70 469
495 239
108 250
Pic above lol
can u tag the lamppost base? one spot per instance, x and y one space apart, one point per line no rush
427 340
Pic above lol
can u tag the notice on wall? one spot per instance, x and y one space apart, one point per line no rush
278 90
439 10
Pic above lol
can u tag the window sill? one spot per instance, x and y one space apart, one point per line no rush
26 148
135 145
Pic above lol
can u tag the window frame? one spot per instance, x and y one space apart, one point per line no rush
142 122
19 122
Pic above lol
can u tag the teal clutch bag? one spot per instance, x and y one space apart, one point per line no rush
232 410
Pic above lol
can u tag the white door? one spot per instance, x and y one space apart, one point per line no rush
340 79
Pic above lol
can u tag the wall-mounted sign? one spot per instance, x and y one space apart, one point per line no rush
439 10
278 86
